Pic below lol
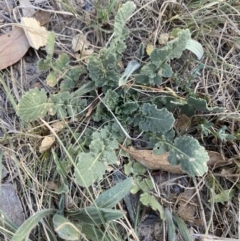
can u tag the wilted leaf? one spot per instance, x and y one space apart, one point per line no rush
149 49
10 204
36 35
195 47
13 46
46 143
163 38
131 67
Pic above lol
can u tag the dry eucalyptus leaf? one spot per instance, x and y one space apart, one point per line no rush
46 143
36 35
13 46
10 204
154 162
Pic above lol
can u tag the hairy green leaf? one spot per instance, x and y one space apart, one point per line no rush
155 120
96 215
93 233
190 155
33 105
170 225
115 194
182 227
65 229
149 200
24 230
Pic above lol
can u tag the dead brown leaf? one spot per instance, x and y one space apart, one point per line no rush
42 17
58 125
154 162
216 160
160 162
182 123
46 143
13 46
187 205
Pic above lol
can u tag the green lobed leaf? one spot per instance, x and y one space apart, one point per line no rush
121 18
33 105
172 50
145 185
24 230
149 200
155 120
64 228
201 104
62 62
190 155
51 79
115 194
50 44
89 169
